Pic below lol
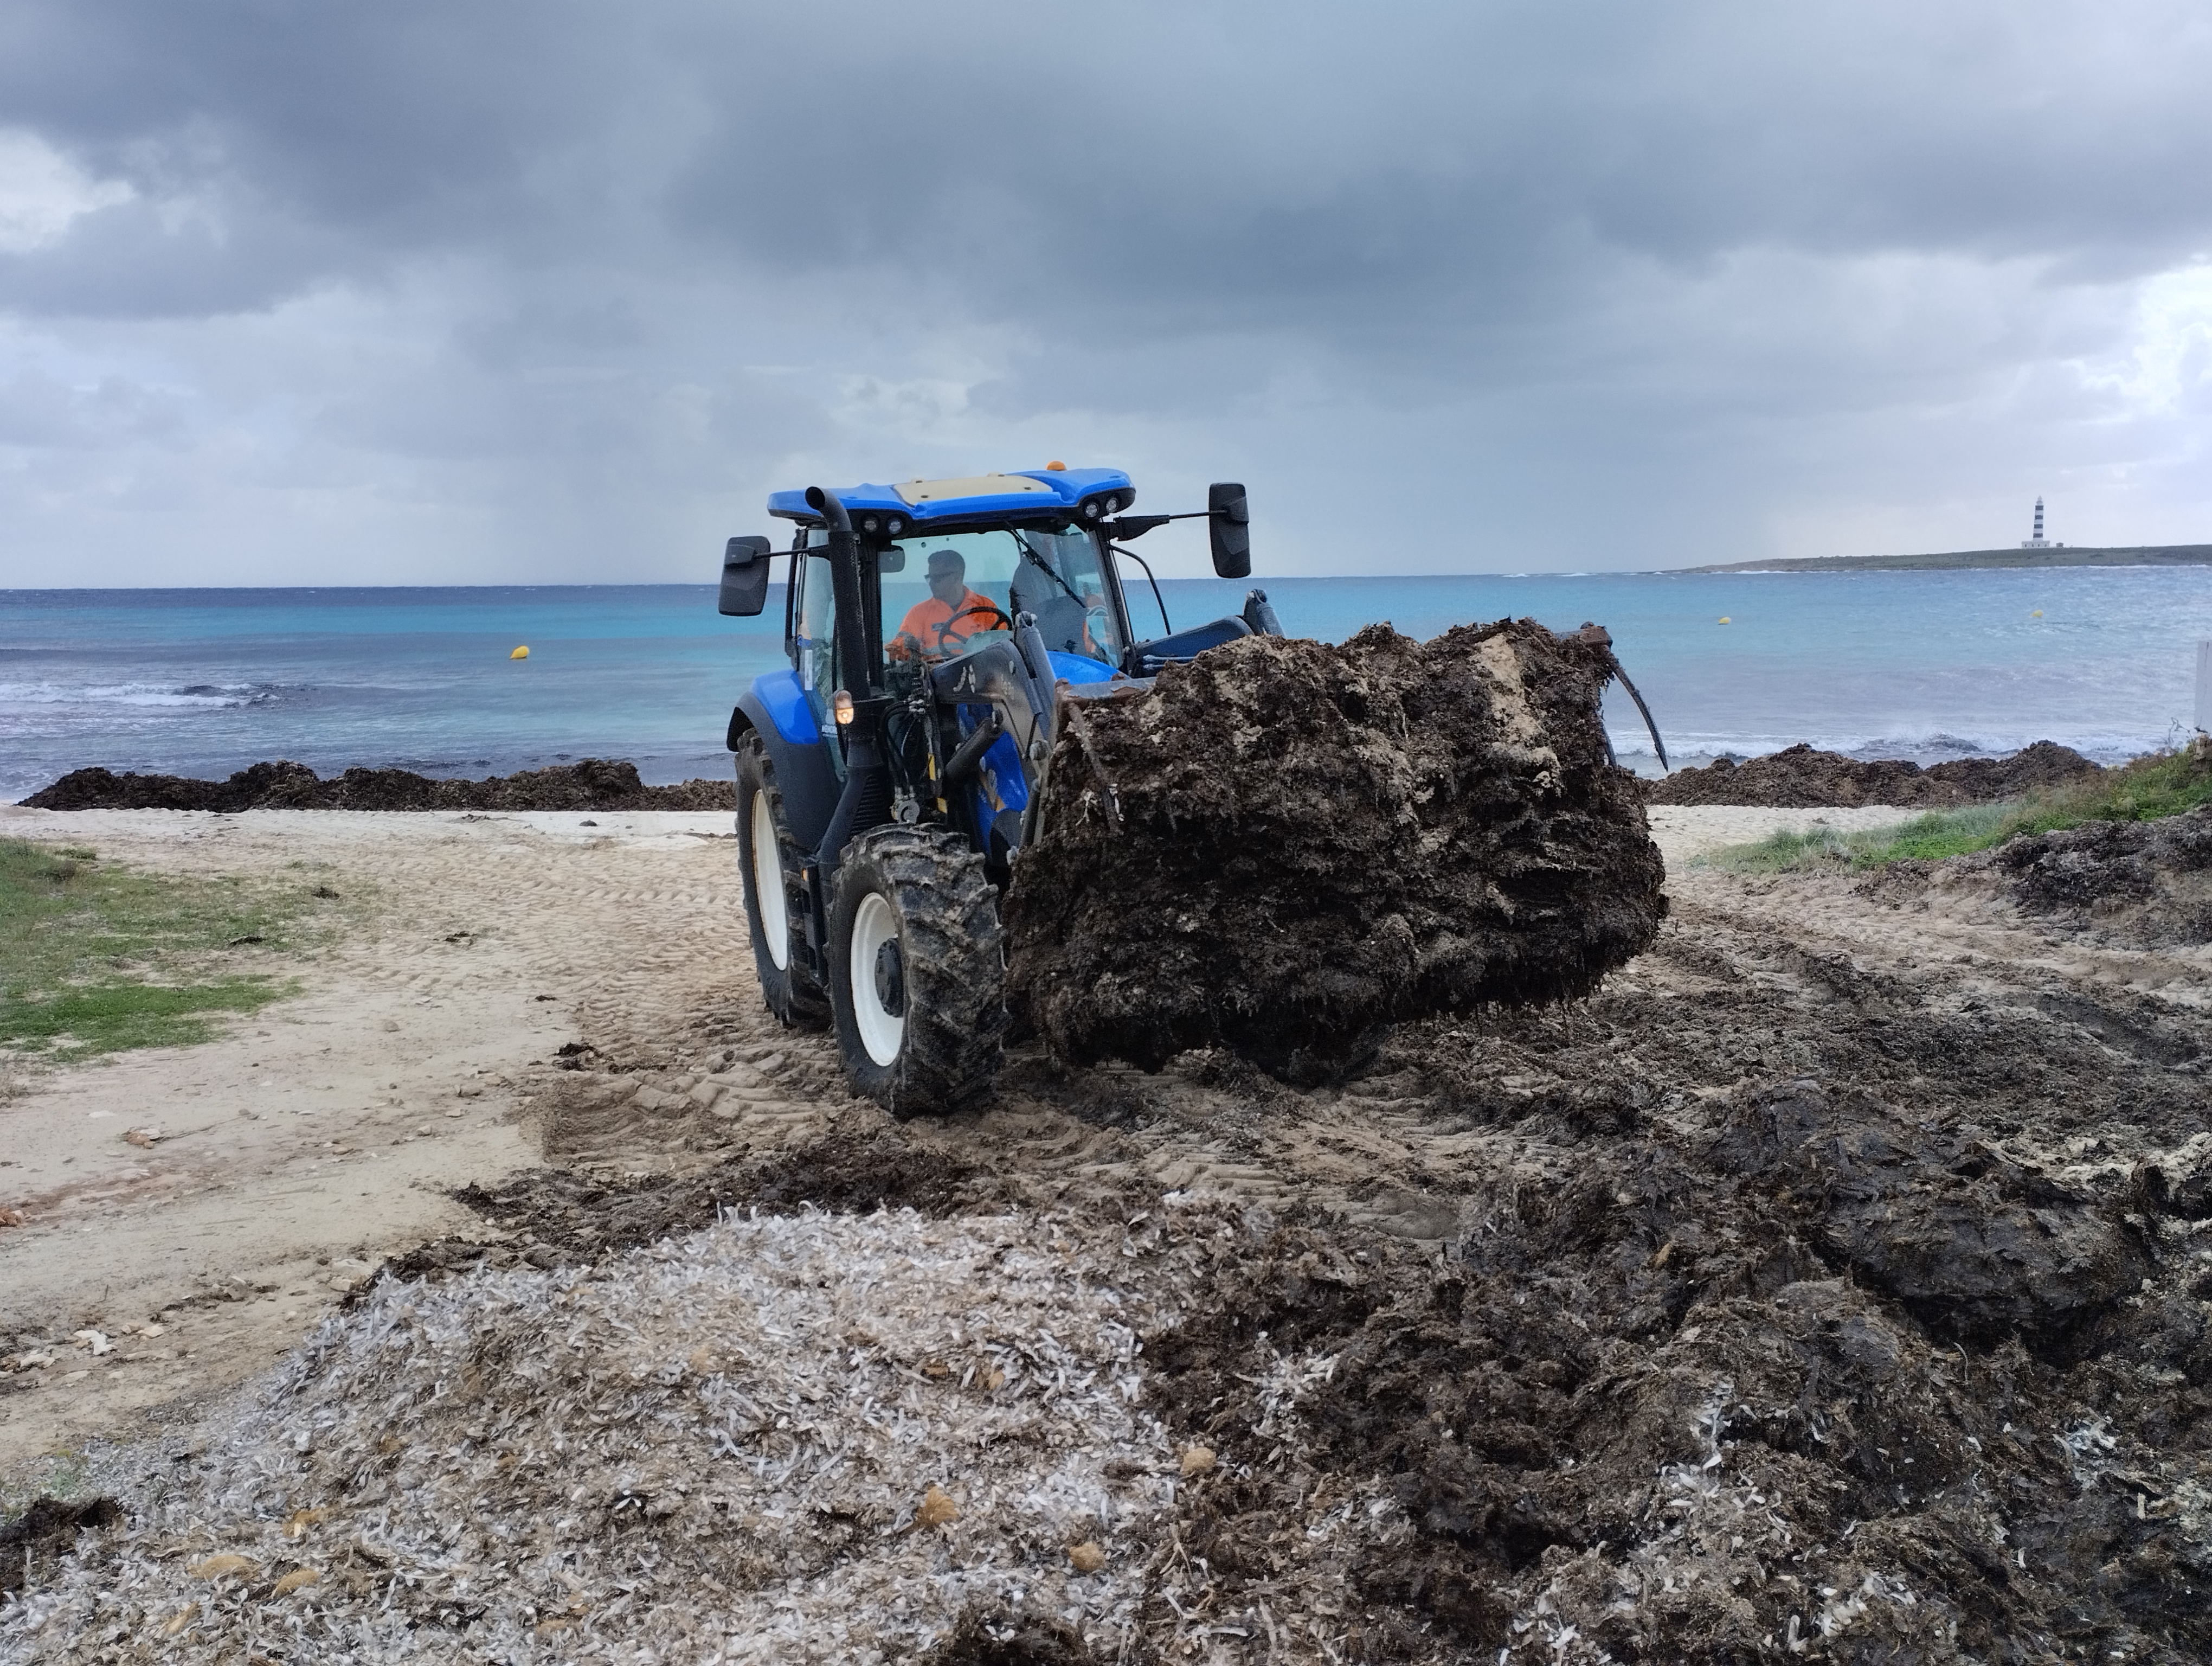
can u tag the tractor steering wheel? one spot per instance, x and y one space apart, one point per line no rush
990 608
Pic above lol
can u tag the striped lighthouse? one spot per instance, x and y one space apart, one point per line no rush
2037 542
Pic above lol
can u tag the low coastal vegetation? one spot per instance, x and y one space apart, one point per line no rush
95 957
2161 784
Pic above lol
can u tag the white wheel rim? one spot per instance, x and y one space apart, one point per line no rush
767 885
881 1031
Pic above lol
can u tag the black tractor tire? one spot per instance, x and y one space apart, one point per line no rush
920 1015
791 993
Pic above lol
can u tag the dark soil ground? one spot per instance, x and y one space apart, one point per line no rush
1801 778
592 784
1285 845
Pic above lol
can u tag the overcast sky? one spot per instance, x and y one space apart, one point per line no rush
504 291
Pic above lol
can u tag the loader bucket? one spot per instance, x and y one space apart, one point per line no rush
1285 847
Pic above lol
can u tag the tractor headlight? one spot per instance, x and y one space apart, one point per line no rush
869 525
840 704
896 526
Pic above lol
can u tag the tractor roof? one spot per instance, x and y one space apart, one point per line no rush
978 497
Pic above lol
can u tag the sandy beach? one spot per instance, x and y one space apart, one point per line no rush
299 1151
558 1011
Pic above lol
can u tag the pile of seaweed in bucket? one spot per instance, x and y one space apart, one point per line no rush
1285 847
590 784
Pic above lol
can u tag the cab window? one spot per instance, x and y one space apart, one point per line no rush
814 629
953 591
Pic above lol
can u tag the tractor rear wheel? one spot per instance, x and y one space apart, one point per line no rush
916 973
775 896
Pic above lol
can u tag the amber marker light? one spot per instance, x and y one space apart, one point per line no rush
843 706
1056 468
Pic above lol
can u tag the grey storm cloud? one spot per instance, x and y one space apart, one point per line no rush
505 290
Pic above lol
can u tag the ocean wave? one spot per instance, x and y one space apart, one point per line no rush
191 695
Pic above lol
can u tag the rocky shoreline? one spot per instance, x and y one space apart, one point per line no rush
590 784
1801 778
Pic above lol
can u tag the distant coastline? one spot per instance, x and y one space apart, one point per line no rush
2147 555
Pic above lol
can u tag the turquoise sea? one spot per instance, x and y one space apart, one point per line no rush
1913 664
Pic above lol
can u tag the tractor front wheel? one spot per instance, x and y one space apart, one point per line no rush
775 896
916 971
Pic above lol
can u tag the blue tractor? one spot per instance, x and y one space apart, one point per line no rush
887 780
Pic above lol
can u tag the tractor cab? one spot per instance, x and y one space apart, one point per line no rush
931 596
948 566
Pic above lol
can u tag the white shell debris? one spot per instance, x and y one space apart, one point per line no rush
712 1450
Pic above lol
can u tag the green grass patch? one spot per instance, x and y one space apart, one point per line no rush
2162 784
95 957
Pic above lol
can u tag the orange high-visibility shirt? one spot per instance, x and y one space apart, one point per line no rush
963 618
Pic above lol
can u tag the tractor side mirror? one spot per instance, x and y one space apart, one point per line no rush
744 577
1228 528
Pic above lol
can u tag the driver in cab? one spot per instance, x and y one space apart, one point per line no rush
942 624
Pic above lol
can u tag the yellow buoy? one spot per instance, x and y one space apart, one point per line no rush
1724 618
519 653
2037 614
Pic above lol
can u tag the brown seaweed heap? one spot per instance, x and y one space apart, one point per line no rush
2145 884
591 784
1285 847
1800 778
